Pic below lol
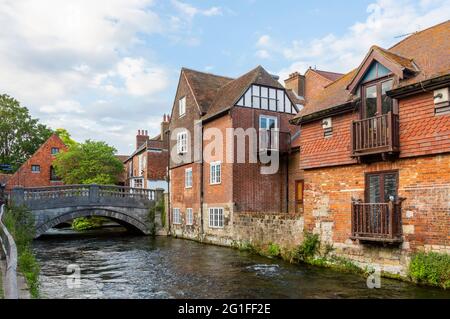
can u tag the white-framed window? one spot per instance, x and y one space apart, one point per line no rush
182 106
176 216
36 168
142 164
54 150
267 98
188 178
215 173
189 217
182 143
216 217
138 183
268 132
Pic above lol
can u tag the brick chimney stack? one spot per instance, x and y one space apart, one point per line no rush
141 138
164 127
296 83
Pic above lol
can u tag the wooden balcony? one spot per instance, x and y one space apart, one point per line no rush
375 135
377 222
274 141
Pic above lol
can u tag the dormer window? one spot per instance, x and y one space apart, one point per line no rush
182 106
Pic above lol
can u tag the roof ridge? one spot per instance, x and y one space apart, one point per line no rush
418 32
207 73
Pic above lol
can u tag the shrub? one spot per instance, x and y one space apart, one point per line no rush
85 223
20 224
274 250
431 269
309 247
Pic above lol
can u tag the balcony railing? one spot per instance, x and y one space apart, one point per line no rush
274 141
377 221
375 135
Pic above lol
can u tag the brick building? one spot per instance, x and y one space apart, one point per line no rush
214 180
375 153
147 166
38 171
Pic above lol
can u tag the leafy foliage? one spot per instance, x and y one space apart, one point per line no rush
64 135
20 224
309 247
89 163
85 223
430 268
274 250
20 135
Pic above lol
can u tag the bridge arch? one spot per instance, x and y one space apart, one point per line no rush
116 215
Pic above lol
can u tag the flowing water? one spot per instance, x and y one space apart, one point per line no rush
117 265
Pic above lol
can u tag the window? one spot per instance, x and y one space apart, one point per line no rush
268 129
267 98
36 168
182 106
142 164
215 173
55 150
182 143
381 186
299 190
138 183
216 218
189 217
176 216
188 178
53 176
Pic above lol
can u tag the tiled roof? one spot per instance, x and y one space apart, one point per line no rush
228 94
426 52
204 86
332 76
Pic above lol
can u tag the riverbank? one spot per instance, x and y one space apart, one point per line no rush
23 290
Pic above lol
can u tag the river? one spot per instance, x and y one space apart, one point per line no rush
117 265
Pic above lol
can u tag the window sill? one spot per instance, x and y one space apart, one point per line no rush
216 227
215 184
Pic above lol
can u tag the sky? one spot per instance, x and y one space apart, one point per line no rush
104 69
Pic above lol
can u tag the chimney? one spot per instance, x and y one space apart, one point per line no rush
296 83
141 138
164 127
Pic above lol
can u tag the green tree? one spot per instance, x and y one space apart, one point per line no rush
88 163
20 135
64 135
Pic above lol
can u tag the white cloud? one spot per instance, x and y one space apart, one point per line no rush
385 22
263 41
58 57
190 11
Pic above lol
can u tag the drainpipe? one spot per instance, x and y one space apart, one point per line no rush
168 182
202 232
287 173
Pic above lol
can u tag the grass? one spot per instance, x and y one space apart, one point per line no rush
20 224
430 269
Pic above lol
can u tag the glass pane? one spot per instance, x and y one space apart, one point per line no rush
371 73
386 101
382 70
264 103
248 98
263 123
280 96
255 90
374 189
371 101
272 93
256 102
241 102
264 92
273 105
390 186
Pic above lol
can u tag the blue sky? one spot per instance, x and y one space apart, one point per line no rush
104 69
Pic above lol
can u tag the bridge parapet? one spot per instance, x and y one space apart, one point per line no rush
76 195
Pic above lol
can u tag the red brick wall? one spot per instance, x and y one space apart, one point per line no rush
157 165
318 151
423 181
253 191
421 133
44 158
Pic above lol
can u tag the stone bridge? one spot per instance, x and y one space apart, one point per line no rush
51 206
